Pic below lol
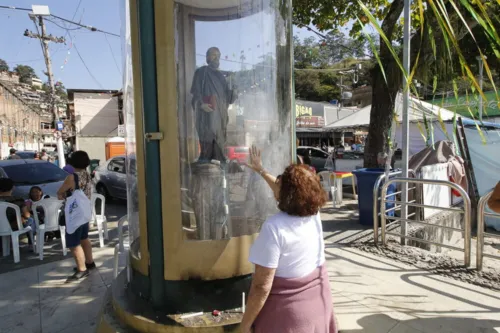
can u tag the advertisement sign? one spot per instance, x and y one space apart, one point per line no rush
303 108
121 130
310 121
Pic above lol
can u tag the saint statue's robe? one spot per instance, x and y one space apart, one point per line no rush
210 87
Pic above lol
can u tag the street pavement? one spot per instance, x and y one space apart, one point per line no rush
371 294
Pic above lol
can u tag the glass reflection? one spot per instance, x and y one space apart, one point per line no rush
230 96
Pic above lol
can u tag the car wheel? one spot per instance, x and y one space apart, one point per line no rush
102 190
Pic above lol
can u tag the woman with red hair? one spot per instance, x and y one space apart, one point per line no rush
290 289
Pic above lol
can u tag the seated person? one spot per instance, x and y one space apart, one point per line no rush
6 188
307 160
36 194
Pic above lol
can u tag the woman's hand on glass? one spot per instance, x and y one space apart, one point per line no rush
255 159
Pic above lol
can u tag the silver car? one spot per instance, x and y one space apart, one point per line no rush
110 179
28 173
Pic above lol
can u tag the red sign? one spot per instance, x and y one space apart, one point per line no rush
310 121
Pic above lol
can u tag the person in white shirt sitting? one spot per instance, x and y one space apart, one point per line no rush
290 289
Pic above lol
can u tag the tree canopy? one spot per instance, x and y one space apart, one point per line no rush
318 64
4 67
444 46
25 73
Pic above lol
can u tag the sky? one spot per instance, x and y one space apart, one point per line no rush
102 59
100 65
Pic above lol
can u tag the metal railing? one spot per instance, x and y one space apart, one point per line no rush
377 198
481 214
466 210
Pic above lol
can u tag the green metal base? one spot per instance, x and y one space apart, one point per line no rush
126 313
193 295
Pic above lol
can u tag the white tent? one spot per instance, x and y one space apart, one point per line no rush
417 110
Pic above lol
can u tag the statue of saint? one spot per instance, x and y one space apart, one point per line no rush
211 98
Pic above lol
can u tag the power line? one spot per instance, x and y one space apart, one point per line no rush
64 28
15 8
300 25
76 10
113 54
21 61
83 62
89 27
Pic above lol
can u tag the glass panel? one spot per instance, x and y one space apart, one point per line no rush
231 96
130 138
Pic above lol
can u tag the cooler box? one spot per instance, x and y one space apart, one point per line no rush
366 179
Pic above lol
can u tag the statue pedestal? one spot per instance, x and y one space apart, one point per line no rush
210 200
126 313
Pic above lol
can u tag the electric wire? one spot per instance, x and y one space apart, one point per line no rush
83 62
113 54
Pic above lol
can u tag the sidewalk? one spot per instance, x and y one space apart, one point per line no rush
371 294
377 295
37 299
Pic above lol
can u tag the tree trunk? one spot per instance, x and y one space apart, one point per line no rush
383 93
383 102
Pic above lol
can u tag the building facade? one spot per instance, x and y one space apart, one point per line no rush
95 116
20 122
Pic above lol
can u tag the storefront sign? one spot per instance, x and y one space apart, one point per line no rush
303 108
310 121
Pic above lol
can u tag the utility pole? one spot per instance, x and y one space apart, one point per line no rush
38 13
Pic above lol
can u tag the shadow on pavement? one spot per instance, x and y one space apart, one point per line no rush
382 323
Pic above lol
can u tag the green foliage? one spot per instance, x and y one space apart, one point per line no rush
60 90
4 67
446 37
25 73
318 62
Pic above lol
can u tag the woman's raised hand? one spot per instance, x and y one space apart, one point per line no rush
255 159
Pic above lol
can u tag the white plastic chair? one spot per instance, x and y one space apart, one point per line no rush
99 219
51 208
329 185
123 246
8 234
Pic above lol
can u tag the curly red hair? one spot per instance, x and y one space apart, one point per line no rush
301 193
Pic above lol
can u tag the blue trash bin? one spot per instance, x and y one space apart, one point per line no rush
366 179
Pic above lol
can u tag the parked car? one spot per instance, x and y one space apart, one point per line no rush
28 173
318 156
111 178
239 154
26 154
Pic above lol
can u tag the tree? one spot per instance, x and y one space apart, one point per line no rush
25 73
4 67
318 62
436 34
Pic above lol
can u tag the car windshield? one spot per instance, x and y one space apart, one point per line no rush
34 173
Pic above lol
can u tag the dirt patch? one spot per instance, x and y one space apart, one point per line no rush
436 263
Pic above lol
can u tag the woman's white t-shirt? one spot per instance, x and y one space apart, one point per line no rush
292 244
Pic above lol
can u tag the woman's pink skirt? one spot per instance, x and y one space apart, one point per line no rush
302 305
